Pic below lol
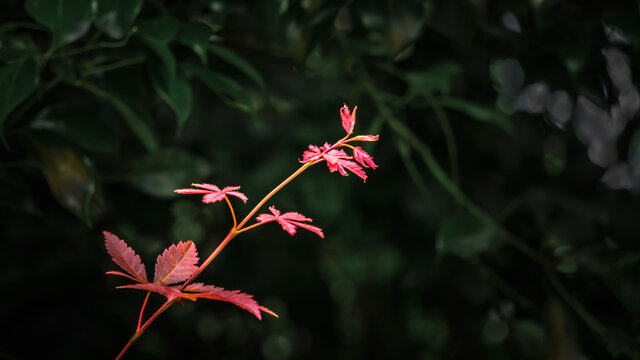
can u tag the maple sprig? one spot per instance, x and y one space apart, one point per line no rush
177 266
337 159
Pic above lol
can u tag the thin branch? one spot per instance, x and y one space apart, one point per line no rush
144 304
233 214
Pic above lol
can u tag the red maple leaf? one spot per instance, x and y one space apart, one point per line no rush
245 301
363 158
289 221
213 193
338 160
176 264
125 257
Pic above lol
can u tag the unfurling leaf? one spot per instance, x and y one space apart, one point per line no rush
125 257
348 119
176 264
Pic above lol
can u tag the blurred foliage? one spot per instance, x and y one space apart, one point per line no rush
502 222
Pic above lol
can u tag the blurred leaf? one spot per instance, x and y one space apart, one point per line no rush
17 48
115 17
69 177
436 78
495 331
507 75
232 93
555 155
175 91
238 62
66 69
465 236
68 20
135 116
567 265
161 29
160 173
156 34
78 127
17 80
479 112
530 338
196 34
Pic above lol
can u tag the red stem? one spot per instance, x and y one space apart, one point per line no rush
144 304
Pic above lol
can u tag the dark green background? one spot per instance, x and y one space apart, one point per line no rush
502 223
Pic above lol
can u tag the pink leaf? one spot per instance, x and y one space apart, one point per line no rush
363 158
314 153
125 257
167 291
348 119
289 221
245 301
176 264
213 193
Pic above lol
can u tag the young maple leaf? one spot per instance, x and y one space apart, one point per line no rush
348 119
213 193
289 221
363 158
125 257
338 160
176 264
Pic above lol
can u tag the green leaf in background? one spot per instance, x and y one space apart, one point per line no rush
156 34
70 178
530 338
160 173
507 75
196 35
238 62
77 126
465 236
232 93
68 20
161 29
17 80
134 115
495 330
115 17
175 91
478 112
436 78
17 48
